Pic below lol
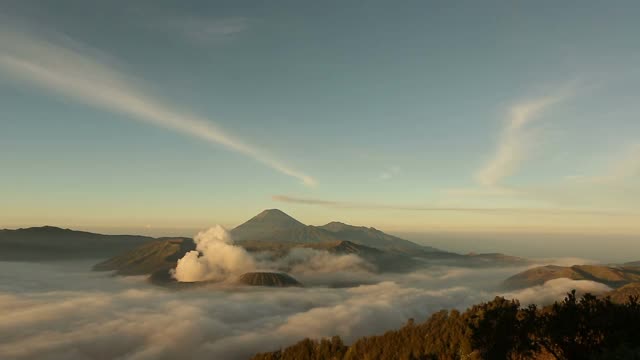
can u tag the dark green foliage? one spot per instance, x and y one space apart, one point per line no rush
499 329
586 328
590 328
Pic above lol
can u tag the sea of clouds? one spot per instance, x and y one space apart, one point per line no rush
64 311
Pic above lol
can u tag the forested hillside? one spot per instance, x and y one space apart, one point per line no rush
576 328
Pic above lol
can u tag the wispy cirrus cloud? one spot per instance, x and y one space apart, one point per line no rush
389 173
379 206
76 72
202 30
515 139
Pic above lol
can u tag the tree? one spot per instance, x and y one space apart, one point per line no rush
499 329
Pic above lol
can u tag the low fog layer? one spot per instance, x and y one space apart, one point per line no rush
63 311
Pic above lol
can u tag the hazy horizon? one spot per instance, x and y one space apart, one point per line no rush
596 247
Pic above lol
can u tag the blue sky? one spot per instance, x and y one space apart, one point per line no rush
419 116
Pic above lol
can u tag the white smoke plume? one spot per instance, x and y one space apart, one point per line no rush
216 258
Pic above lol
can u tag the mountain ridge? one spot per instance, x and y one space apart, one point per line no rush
271 231
274 225
56 243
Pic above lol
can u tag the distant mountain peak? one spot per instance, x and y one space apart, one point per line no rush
275 217
274 225
274 214
267 222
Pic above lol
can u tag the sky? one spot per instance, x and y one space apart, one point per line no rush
157 116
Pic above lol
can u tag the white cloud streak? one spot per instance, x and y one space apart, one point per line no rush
75 73
499 210
514 140
205 30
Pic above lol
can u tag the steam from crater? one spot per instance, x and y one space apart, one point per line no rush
216 258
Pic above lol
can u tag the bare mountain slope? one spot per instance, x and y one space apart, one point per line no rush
614 276
621 295
149 257
267 222
274 226
375 238
53 243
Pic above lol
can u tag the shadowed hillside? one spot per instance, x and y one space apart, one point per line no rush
52 243
375 238
147 258
271 279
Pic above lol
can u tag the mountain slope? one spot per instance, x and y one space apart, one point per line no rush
53 243
272 279
275 231
375 238
384 261
274 226
265 223
622 294
147 258
304 234
343 247
614 276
